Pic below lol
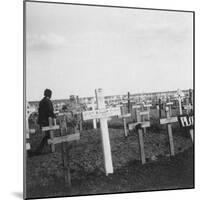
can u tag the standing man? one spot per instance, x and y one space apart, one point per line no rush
45 111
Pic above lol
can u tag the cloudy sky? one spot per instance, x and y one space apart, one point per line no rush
74 49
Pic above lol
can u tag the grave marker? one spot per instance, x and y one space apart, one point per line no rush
169 120
94 120
145 113
169 104
139 126
179 95
160 108
141 142
187 121
136 108
129 103
191 96
123 117
103 113
61 140
51 128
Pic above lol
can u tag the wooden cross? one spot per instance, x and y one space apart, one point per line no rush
123 117
93 106
51 128
65 138
61 140
160 108
103 114
145 113
129 103
169 104
139 126
80 124
142 114
169 120
148 106
179 95
191 96
136 108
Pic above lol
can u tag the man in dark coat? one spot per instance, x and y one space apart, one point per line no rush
45 111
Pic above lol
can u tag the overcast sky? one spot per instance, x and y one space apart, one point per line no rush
74 49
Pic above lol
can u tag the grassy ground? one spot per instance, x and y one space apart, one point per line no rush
45 176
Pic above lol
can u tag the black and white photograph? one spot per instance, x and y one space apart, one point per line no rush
108 99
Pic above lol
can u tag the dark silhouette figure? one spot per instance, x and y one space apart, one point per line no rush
45 111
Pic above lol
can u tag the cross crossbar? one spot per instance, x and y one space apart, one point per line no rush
144 124
32 131
101 113
168 120
136 106
50 128
147 105
125 115
144 113
169 103
28 146
66 138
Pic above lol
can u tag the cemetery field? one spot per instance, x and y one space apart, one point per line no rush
45 176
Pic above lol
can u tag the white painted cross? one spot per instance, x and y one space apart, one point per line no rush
145 113
179 95
102 113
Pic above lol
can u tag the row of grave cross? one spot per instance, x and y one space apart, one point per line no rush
64 140
103 114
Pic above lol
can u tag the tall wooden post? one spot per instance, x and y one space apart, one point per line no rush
142 117
180 105
51 133
191 134
191 96
105 134
80 125
169 129
94 120
139 126
160 108
141 142
129 103
124 116
65 159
